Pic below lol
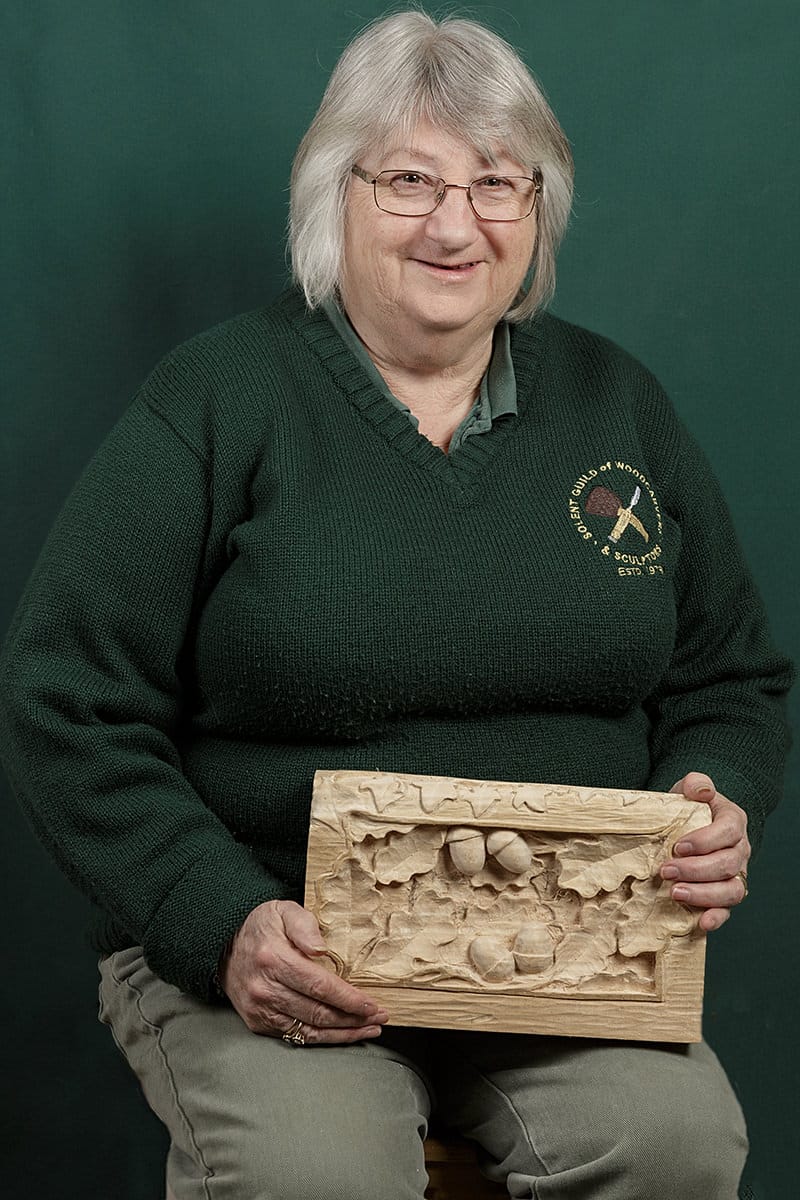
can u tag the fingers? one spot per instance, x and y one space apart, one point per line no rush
704 871
716 867
710 895
322 1037
272 1011
284 999
270 1007
287 967
712 918
301 928
271 981
286 960
695 785
728 828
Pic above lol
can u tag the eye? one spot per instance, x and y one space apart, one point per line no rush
496 184
408 182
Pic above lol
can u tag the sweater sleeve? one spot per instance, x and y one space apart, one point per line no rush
91 704
719 707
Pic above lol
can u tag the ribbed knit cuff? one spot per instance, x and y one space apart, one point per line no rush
186 939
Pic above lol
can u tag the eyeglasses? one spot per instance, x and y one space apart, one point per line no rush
492 197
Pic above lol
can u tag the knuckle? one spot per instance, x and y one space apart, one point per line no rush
320 1015
254 1020
318 987
730 867
255 1011
265 959
258 992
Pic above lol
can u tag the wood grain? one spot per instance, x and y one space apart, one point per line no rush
474 904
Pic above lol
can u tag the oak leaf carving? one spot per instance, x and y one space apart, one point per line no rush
387 789
429 904
398 957
589 866
402 855
535 802
362 828
651 918
479 796
425 945
595 915
580 955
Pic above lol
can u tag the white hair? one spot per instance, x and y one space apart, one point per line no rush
457 75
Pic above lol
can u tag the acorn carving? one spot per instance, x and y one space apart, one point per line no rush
533 948
492 959
467 849
510 850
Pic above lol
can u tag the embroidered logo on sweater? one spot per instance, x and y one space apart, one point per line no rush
613 508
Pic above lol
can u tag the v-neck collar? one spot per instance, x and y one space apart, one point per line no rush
466 462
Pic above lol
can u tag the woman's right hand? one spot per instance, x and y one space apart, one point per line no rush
272 981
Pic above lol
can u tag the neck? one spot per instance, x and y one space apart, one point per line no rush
438 375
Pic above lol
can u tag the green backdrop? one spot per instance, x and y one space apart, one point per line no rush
146 156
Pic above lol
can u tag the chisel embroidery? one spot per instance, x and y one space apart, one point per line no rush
605 503
630 540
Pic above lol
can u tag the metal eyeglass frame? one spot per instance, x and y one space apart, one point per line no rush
536 180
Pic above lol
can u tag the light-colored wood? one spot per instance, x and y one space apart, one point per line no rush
471 904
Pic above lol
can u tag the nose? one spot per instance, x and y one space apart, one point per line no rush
453 221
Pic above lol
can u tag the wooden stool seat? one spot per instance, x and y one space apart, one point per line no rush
452 1165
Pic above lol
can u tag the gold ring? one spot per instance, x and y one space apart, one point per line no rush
743 876
294 1035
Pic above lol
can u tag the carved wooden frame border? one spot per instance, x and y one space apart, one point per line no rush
344 799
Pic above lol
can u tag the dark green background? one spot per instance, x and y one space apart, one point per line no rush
146 156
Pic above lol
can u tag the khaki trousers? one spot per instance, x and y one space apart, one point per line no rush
251 1118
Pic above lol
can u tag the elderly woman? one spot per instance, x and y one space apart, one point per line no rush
400 519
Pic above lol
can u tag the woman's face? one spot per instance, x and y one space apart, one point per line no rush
441 273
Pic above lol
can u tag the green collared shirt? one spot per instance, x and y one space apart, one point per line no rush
498 392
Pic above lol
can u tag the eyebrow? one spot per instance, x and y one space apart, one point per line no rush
415 152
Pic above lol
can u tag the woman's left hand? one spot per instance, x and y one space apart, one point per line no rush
706 864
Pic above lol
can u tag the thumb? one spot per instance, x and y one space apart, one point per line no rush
302 930
696 786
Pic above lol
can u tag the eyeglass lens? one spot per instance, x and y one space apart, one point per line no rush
493 197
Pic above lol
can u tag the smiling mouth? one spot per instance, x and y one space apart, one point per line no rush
455 267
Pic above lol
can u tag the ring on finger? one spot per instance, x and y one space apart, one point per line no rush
743 876
294 1035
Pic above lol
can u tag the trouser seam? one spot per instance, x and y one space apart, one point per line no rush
173 1087
522 1124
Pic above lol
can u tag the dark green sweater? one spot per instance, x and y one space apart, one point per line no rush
266 570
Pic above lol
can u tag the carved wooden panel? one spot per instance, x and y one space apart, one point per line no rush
509 906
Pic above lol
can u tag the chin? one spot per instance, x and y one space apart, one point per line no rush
445 318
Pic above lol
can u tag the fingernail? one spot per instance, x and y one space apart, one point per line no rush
669 872
680 893
684 848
